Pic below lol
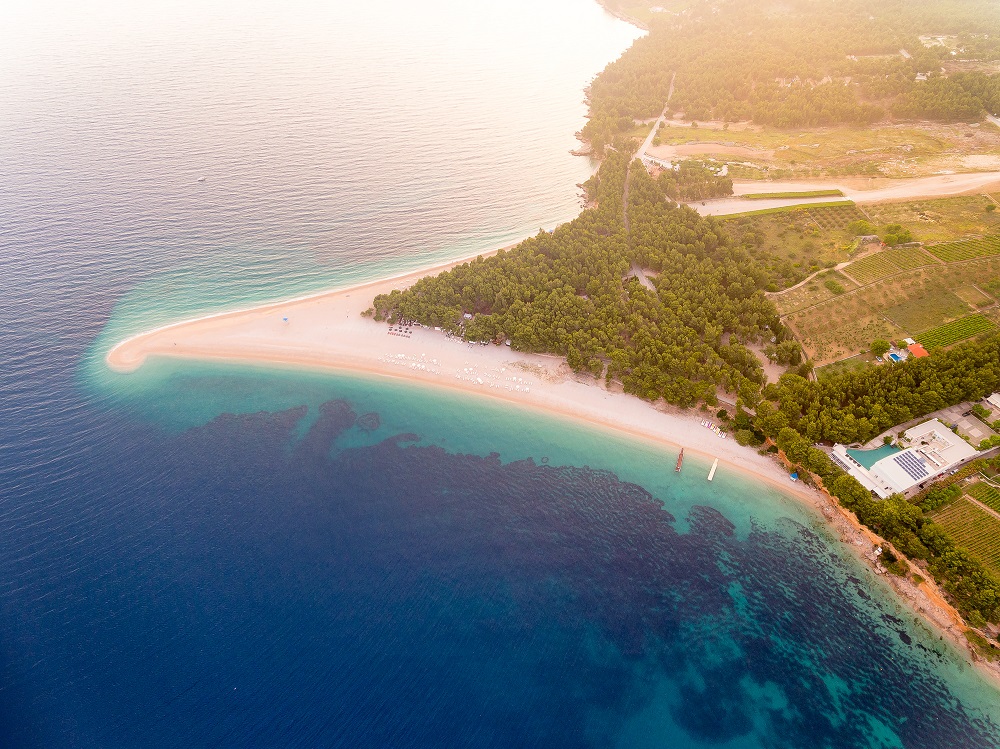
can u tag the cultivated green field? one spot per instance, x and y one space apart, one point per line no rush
807 194
888 262
908 258
988 495
967 249
974 296
957 330
830 207
974 529
852 364
926 309
872 268
908 303
835 216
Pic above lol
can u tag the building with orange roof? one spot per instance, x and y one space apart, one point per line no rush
917 351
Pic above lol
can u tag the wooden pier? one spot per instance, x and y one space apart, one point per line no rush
711 474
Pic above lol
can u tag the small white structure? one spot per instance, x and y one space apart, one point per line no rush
994 400
929 450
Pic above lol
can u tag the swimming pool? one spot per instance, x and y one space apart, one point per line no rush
868 458
895 357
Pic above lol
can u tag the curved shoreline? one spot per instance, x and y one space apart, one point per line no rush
326 331
114 357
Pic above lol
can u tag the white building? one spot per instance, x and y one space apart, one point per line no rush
929 450
994 400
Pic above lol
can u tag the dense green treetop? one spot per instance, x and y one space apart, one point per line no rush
802 63
583 291
857 406
575 292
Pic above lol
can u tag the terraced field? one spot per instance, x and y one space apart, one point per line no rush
967 249
954 331
988 495
974 529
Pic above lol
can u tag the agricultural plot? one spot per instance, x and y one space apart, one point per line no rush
831 327
967 249
872 268
791 242
908 258
813 292
988 495
941 219
886 263
853 364
974 529
805 194
957 330
839 328
928 307
806 209
835 216
974 296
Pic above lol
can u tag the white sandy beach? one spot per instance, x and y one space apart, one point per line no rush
328 331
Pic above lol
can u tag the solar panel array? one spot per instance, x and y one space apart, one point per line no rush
841 462
915 468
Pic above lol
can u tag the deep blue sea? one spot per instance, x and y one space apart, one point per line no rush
205 555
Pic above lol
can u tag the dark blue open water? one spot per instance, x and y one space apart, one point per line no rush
202 555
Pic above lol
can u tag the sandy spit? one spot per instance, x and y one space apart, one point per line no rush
327 331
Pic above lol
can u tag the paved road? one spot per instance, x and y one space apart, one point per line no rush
656 125
937 186
638 155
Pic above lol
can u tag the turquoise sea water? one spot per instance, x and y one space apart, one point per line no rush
210 555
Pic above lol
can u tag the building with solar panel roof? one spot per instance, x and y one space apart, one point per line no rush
925 452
